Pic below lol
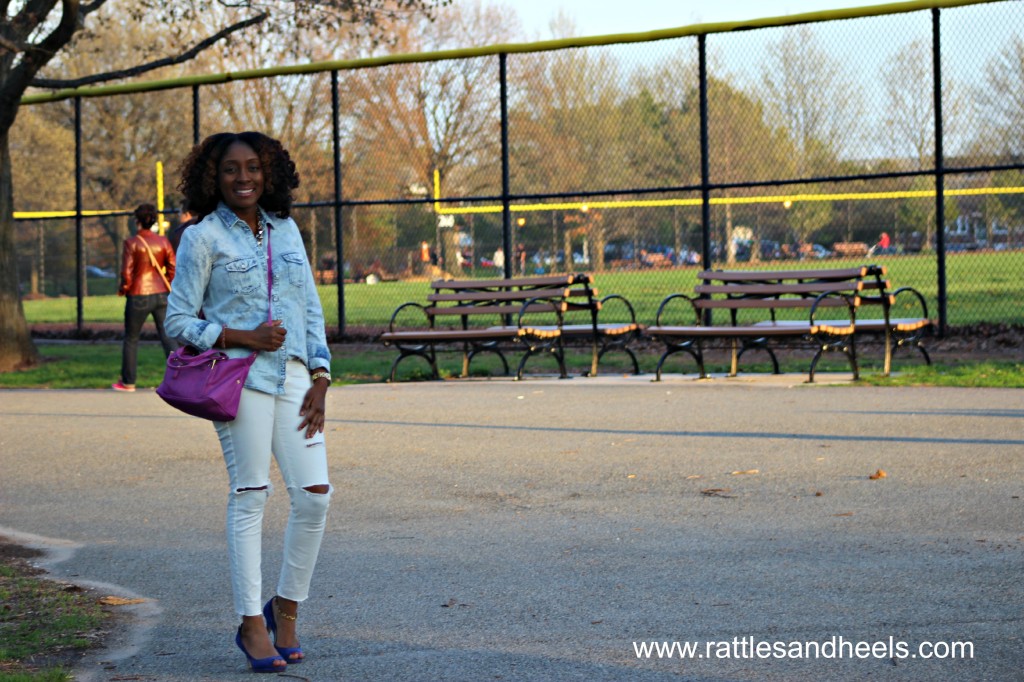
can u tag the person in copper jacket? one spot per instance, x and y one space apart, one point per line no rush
147 268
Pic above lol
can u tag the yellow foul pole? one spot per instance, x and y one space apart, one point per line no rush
160 197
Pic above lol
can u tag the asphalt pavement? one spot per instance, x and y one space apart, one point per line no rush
554 530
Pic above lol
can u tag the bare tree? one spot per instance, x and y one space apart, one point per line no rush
811 95
908 125
35 34
1001 99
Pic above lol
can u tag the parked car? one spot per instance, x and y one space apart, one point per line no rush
818 251
96 271
770 250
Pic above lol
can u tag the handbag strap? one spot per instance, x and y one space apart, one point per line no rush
152 259
270 276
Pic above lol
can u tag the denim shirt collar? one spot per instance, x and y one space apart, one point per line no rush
230 218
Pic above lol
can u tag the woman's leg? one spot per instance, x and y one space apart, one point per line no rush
135 313
246 444
159 314
303 465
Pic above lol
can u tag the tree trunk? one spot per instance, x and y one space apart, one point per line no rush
16 348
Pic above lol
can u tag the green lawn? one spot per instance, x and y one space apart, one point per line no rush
96 365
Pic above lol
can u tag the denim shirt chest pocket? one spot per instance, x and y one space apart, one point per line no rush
296 266
243 275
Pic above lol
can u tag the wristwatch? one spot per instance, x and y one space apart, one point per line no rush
320 374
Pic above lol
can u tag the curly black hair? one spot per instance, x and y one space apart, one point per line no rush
145 215
199 173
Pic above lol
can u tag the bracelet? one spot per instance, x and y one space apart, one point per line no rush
320 374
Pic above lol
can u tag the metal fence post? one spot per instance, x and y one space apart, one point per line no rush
506 210
940 167
79 228
195 114
339 255
705 166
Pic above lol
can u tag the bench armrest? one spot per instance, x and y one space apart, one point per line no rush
668 300
625 302
911 291
557 306
394 316
851 305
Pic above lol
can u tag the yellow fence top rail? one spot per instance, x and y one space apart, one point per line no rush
507 48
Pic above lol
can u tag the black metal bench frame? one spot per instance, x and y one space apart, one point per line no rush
469 299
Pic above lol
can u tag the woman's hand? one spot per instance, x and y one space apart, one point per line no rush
313 410
269 336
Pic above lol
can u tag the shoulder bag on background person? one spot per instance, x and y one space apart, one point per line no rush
209 384
152 259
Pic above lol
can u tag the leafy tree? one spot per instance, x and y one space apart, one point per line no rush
36 34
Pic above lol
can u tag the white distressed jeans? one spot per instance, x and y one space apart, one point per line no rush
268 425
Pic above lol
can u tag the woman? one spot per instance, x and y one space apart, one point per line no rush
239 186
147 268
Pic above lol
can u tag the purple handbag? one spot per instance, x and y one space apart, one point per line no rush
209 384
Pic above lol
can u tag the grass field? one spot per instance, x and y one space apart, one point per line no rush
96 365
982 287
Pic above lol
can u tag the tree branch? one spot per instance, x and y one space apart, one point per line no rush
159 63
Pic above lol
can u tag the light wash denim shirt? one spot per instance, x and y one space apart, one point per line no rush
223 272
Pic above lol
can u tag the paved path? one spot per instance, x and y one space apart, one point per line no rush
495 530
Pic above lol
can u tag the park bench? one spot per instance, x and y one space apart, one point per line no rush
806 296
903 322
494 315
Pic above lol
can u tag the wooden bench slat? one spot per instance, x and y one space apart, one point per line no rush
498 284
506 309
776 289
604 329
498 295
768 275
428 335
900 324
767 303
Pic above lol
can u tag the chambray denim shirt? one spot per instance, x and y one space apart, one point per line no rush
223 272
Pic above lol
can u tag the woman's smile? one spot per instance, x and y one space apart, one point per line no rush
240 178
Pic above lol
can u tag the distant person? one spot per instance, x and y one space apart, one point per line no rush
186 219
425 257
883 241
147 268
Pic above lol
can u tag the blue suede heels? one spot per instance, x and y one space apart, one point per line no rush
259 665
286 652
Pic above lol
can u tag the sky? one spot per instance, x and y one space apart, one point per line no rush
599 17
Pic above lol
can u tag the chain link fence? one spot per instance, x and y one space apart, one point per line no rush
803 145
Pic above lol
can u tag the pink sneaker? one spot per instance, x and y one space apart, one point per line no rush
118 386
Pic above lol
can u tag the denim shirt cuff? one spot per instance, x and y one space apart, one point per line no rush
203 334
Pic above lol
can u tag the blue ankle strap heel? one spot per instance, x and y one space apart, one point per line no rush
286 652
259 665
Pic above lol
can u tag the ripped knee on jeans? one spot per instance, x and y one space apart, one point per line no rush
321 489
248 490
